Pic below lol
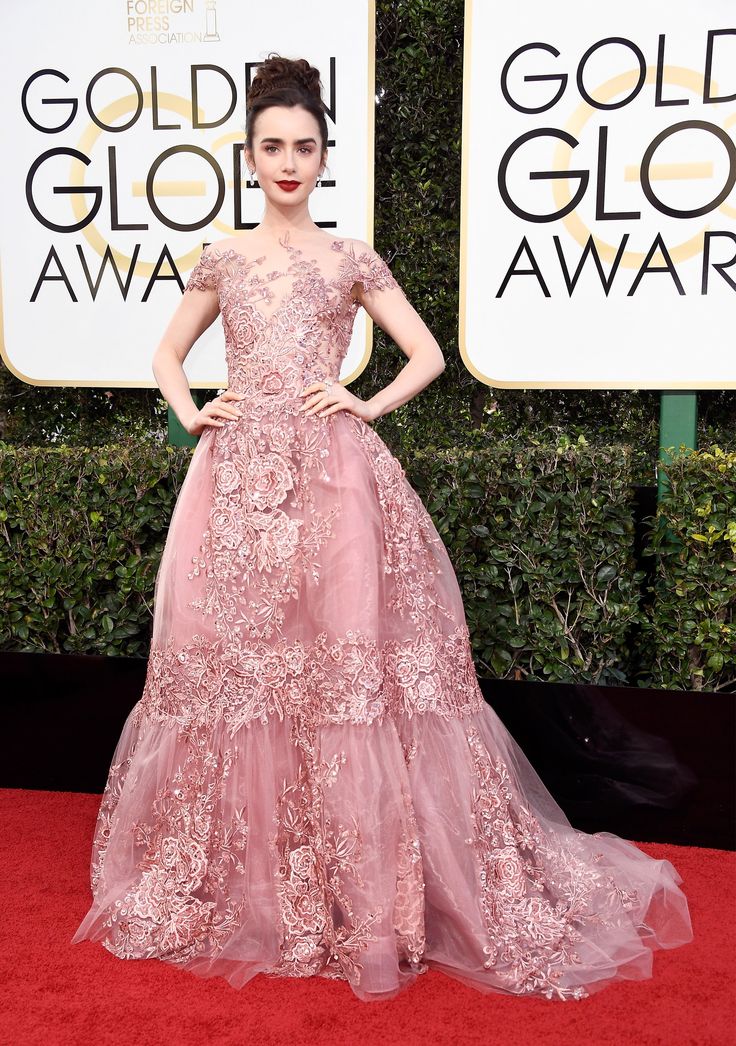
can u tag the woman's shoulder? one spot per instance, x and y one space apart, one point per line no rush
359 251
350 245
364 267
358 246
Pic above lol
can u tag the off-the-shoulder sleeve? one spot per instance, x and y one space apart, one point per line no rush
373 272
203 276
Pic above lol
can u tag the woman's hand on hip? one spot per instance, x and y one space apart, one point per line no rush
212 412
322 401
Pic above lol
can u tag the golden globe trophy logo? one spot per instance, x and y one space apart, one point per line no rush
127 158
599 243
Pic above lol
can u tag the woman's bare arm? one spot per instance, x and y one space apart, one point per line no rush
392 311
196 311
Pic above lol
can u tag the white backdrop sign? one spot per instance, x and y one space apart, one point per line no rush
598 241
123 130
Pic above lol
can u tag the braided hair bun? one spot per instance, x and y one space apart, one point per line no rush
286 82
277 72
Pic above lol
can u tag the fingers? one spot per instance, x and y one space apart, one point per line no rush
213 413
321 398
313 402
324 405
331 410
220 404
316 390
227 412
212 417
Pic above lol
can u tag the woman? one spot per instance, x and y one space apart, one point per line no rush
312 783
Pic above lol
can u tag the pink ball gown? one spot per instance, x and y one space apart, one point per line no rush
312 783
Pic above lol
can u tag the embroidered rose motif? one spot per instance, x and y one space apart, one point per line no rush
509 874
308 911
243 321
302 908
185 858
428 689
282 439
426 658
301 861
297 696
271 671
227 478
169 852
226 525
201 825
407 669
139 933
305 948
267 480
151 899
272 382
295 659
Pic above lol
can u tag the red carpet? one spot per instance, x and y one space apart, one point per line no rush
55 993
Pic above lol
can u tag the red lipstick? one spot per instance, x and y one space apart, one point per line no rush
288 186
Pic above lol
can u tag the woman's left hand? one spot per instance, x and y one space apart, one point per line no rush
323 401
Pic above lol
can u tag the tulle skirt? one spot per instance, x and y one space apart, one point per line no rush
312 783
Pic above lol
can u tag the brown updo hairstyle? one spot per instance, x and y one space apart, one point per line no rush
287 82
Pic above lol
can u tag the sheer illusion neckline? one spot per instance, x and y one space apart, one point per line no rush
262 283
282 241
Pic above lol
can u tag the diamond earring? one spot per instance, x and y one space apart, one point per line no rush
251 177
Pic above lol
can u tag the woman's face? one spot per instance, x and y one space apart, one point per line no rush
286 147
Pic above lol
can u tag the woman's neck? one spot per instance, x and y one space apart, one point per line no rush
276 224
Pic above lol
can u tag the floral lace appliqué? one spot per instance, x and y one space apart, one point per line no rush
537 892
187 856
352 680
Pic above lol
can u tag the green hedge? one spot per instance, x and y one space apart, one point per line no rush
83 534
691 625
541 538
542 542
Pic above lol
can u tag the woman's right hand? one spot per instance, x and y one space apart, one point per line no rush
213 411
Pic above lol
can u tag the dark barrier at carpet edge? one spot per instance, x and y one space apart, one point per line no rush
649 765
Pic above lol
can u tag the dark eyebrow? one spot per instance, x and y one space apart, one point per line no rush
280 141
